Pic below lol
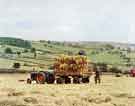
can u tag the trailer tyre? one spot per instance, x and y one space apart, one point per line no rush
67 80
85 80
59 80
76 80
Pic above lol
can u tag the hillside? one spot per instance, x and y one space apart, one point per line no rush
113 54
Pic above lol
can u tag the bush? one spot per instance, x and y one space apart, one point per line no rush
45 45
26 50
115 70
103 67
109 46
16 65
70 53
25 64
49 42
8 50
33 50
18 53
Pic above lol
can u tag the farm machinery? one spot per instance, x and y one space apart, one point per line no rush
41 77
66 69
132 72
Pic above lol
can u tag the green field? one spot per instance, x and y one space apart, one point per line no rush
48 51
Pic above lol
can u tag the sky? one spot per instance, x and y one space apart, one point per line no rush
68 20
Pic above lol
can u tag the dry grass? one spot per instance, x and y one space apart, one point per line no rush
112 92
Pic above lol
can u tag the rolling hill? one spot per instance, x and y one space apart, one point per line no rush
113 54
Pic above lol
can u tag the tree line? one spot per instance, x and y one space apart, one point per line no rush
15 42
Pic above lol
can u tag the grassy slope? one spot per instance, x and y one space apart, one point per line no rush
50 51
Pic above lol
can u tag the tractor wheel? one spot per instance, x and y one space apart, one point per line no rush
50 80
76 80
29 81
40 79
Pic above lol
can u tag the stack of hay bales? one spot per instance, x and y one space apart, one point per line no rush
71 63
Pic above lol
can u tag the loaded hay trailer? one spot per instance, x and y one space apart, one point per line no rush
72 69
66 69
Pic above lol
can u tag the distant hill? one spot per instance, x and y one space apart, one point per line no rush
111 53
15 42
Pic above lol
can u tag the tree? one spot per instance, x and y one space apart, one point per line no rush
49 42
129 50
19 53
35 54
109 46
15 42
33 50
26 50
16 65
8 50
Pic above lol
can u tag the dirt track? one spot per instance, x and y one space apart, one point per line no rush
112 92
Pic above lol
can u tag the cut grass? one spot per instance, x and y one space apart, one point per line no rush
112 90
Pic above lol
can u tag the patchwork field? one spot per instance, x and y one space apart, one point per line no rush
46 54
112 92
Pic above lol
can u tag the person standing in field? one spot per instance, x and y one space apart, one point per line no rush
97 75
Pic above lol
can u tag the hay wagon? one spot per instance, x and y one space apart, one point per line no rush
66 69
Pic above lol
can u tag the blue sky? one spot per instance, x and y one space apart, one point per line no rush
72 20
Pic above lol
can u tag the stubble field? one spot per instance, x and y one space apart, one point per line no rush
111 92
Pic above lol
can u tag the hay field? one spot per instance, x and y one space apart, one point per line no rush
112 92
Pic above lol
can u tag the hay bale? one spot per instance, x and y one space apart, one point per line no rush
31 100
118 75
108 99
99 99
11 103
121 95
71 63
16 94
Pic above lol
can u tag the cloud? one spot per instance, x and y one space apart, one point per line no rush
106 20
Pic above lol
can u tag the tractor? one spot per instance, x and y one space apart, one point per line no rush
41 77
66 69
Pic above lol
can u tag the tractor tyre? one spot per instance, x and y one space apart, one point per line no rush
40 79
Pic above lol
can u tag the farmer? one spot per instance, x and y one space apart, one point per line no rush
97 75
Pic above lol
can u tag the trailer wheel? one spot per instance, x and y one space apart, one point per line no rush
76 80
50 80
67 80
59 80
29 81
50 77
85 80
